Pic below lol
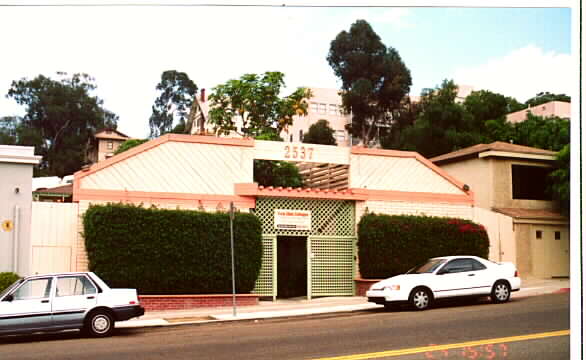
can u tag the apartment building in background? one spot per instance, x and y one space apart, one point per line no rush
550 109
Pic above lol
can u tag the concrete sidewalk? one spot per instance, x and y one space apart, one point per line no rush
301 306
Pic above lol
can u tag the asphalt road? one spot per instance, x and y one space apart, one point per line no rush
470 330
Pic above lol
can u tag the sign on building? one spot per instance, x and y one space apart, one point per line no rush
293 219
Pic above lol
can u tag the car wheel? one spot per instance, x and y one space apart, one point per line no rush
99 324
501 292
420 299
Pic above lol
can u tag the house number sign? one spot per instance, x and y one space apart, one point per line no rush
297 152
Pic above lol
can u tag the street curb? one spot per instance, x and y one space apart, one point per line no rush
165 323
293 314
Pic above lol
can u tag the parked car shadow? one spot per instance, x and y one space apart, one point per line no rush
443 304
61 336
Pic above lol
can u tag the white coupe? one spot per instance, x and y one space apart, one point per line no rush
446 277
62 301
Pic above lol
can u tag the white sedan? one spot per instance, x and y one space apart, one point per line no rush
446 277
63 301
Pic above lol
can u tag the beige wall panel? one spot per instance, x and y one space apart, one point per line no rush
54 236
178 167
397 174
550 257
474 173
500 234
287 151
526 250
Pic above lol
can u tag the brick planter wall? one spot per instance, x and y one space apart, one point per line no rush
186 302
362 285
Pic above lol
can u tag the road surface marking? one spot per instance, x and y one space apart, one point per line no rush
390 353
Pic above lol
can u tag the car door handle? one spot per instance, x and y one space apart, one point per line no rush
471 274
91 297
45 301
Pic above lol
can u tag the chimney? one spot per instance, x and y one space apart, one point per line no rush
203 95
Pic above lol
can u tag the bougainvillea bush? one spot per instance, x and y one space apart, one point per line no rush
389 245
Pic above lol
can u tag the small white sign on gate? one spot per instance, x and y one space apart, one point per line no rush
292 219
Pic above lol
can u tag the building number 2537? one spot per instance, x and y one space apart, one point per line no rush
298 152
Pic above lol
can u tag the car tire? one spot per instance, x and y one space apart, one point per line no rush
501 292
420 298
99 323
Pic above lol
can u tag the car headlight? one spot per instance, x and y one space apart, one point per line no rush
392 287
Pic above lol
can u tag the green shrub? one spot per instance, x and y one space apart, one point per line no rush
6 279
172 251
391 245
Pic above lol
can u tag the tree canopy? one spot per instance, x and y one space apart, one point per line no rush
252 105
374 79
176 93
544 97
61 118
320 133
129 144
8 130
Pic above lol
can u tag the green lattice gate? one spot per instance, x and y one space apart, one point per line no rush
331 245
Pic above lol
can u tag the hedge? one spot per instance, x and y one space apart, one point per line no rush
391 245
161 251
7 279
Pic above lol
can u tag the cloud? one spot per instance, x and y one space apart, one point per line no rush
521 73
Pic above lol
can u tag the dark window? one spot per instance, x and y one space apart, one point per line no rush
300 135
459 265
538 234
530 182
477 265
558 235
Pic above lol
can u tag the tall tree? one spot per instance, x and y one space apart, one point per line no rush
176 93
374 79
402 118
61 118
441 125
251 105
320 133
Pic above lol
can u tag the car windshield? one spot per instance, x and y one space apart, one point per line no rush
428 267
5 291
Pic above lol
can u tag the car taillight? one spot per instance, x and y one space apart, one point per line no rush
133 302
516 273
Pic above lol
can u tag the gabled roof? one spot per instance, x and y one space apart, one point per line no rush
63 189
111 134
497 148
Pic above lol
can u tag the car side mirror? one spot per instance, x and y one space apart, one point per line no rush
443 271
8 298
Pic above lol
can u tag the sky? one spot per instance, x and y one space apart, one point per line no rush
516 52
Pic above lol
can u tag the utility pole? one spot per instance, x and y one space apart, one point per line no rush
232 253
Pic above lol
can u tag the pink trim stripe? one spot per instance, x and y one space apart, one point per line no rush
205 200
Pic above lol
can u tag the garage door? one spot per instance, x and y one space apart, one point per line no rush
550 251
